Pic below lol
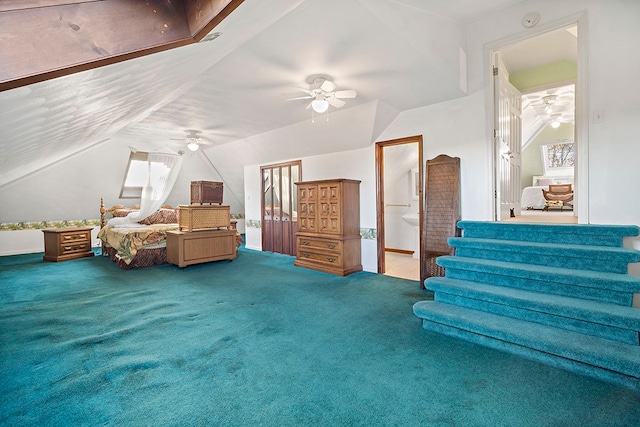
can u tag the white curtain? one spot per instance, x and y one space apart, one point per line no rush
163 170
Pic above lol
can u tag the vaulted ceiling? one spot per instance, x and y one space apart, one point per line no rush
397 55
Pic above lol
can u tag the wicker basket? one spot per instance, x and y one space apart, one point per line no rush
433 269
199 217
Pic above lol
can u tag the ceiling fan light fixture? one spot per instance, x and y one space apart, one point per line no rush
555 124
320 105
193 146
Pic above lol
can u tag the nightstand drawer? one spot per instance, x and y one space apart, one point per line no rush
317 244
75 236
69 248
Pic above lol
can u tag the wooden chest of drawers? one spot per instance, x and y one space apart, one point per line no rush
206 192
198 217
62 244
328 237
186 248
338 256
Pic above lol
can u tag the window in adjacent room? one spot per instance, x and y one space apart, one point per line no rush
135 176
558 158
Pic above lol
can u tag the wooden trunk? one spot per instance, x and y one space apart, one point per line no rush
206 192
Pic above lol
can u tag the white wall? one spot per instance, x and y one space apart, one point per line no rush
454 128
612 36
355 164
71 190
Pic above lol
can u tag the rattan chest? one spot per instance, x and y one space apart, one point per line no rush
198 217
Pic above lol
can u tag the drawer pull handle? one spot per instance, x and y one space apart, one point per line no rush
306 255
331 246
305 242
331 259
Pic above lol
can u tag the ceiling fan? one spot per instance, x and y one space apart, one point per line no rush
192 139
554 106
322 93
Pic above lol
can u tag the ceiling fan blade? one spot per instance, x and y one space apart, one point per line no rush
335 102
327 86
348 93
300 97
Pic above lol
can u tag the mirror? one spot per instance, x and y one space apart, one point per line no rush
415 184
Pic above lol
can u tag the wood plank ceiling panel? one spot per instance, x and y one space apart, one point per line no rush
57 37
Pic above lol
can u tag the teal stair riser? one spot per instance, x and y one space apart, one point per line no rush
599 330
567 344
567 261
538 356
570 234
560 294
594 294
569 239
614 315
587 279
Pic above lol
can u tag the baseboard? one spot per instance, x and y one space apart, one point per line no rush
399 251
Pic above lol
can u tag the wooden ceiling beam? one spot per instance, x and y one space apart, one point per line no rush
53 38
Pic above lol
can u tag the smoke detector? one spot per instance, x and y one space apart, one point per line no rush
531 19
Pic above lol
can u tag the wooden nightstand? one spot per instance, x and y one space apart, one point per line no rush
62 244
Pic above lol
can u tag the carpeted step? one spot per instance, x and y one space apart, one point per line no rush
595 318
570 234
580 257
605 287
585 354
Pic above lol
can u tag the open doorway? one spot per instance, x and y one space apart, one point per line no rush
399 174
544 71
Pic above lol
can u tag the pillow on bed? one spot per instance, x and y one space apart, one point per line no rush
161 216
120 213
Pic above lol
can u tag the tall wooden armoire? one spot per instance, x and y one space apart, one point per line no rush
328 236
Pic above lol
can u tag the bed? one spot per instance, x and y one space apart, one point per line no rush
139 246
532 197
136 247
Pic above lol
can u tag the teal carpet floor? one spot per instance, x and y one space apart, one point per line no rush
257 342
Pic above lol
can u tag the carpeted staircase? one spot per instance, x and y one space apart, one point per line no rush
560 294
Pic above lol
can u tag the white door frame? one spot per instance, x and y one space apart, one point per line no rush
581 136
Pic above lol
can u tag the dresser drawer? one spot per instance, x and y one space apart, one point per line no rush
327 258
316 244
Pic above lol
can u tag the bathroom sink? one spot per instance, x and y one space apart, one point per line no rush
411 218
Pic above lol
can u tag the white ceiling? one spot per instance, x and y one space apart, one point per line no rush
397 54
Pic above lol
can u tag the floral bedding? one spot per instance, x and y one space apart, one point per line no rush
128 241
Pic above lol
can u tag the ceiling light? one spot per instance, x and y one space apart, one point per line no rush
555 124
193 146
320 105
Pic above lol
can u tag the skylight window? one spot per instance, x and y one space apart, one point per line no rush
135 176
558 158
